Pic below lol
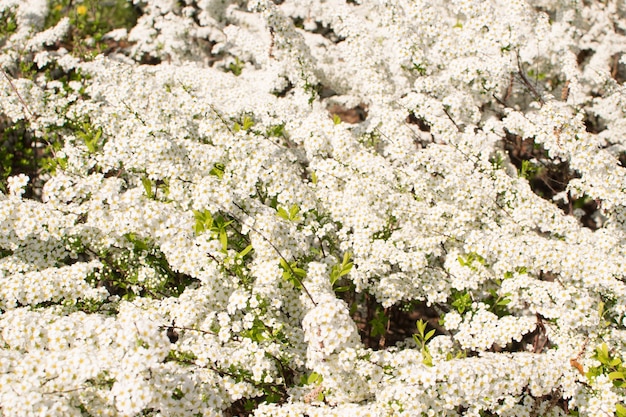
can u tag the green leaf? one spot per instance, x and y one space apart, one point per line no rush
421 327
147 186
283 213
204 221
602 354
247 123
462 301
503 302
427 357
429 335
616 375
224 240
620 410
293 212
245 251
218 170
314 378
336 119
284 264
299 272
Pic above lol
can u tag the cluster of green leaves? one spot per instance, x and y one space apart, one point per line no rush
378 324
224 229
91 137
498 303
17 151
462 301
23 153
387 230
341 270
236 67
292 273
91 20
156 189
528 170
314 379
245 124
469 259
216 226
421 338
9 27
119 273
292 215
370 139
612 366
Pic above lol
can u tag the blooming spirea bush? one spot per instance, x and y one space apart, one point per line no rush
284 208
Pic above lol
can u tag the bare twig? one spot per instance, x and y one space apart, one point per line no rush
17 93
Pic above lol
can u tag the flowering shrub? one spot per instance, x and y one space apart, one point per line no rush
313 208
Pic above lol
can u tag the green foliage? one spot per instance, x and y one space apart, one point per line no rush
291 215
205 222
469 259
181 357
218 170
387 230
340 270
292 273
245 124
421 338
9 26
152 188
497 161
258 332
420 69
498 303
461 301
277 131
539 76
102 380
236 67
370 139
90 20
379 323
147 185
581 202
91 137
17 151
336 119
520 270
120 271
610 365
528 170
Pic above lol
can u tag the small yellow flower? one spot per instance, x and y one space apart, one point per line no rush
81 10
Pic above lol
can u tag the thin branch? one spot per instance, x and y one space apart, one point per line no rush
527 83
293 274
30 113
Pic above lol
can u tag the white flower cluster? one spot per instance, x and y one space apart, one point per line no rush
239 211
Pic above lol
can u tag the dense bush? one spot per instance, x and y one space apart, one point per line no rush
368 208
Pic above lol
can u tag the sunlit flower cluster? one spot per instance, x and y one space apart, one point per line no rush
232 209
